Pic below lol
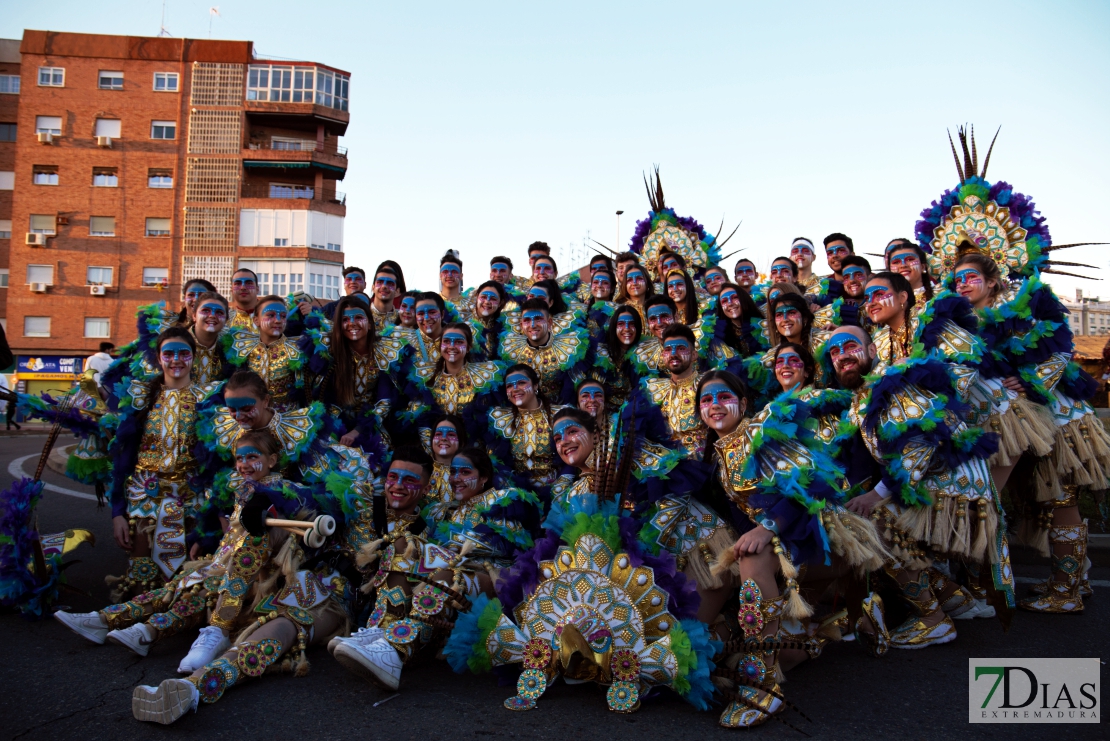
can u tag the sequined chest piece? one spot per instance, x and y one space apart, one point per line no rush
453 392
532 443
170 432
275 364
681 412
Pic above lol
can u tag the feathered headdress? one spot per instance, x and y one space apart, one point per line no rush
986 218
663 229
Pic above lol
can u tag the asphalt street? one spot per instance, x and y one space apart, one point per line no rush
56 685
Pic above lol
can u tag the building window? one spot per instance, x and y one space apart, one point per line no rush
7 132
263 283
98 327
36 326
43 223
108 127
7 180
281 242
5 228
9 84
331 89
3 277
296 282
163 130
159 179
334 247
52 76
110 80
283 190
333 286
48 125
316 285
279 284
105 177
40 274
97 276
44 175
102 226
157 227
165 82
155 277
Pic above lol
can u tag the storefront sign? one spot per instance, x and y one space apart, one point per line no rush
48 367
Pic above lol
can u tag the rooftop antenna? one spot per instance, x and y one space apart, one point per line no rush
164 31
212 13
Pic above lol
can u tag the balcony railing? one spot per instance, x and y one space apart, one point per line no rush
293 192
298 145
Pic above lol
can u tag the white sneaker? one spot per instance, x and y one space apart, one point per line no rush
89 625
209 644
980 608
137 638
165 703
361 637
379 662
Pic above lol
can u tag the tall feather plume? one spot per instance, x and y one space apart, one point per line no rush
1073 275
1055 247
721 243
987 161
611 252
655 191
956 157
1056 264
969 171
974 154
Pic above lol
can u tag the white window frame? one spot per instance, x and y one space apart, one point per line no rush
167 76
54 73
159 233
149 177
114 174
47 172
163 125
296 282
53 224
111 75
43 130
49 281
27 319
88 275
107 327
9 84
102 233
154 282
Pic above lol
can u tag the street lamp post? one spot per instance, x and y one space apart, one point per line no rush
619 229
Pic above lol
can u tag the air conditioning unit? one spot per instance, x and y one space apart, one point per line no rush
45 137
98 290
104 141
36 240
38 288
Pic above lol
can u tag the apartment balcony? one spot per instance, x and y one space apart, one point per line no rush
287 93
297 154
294 197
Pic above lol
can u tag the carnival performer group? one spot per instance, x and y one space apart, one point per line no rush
644 473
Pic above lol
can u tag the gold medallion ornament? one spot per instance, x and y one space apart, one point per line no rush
981 226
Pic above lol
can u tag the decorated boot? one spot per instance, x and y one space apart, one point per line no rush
1063 595
915 632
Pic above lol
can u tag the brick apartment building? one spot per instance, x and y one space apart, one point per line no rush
138 163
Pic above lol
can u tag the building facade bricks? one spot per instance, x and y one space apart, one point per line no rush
166 159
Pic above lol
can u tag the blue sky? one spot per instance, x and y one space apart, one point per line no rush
485 126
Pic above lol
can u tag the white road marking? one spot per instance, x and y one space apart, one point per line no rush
15 470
